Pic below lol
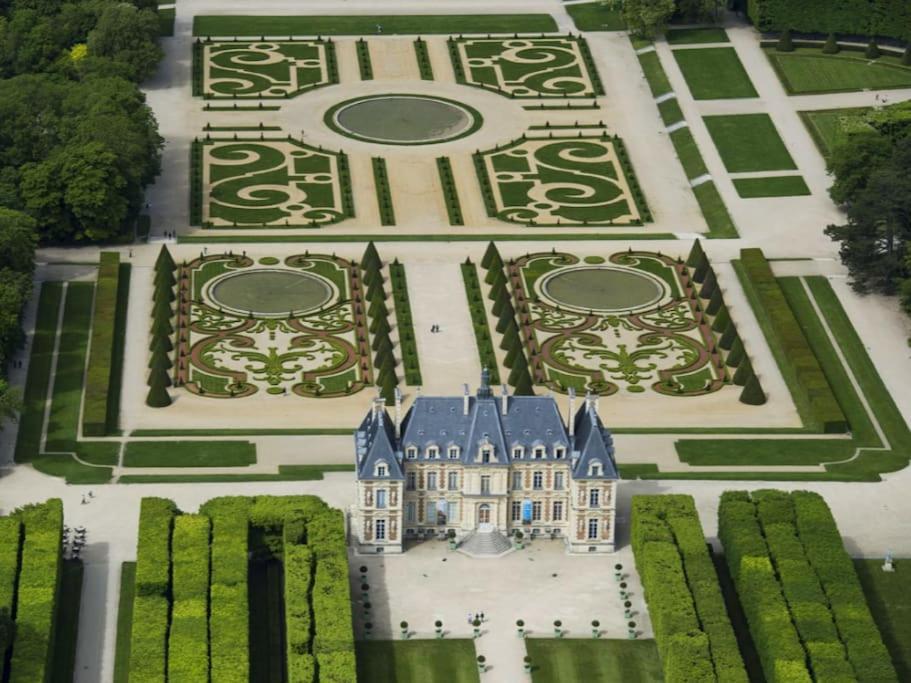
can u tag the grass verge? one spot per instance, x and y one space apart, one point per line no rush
486 353
577 660
773 186
749 143
693 36
285 473
596 16
405 324
189 454
714 73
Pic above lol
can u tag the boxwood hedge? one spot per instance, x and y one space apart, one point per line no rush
188 637
36 592
692 628
803 602
229 633
101 350
888 18
10 540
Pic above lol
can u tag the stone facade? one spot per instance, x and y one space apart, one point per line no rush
481 463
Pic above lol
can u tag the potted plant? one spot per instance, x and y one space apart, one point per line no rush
628 609
520 628
451 535
364 589
519 537
477 628
558 629
482 667
404 626
438 625
527 662
596 628
624 594
631 633
618 572
368 630
367 607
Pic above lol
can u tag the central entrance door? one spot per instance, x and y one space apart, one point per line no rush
484 525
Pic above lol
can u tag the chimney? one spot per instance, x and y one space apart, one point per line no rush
398 414
589 402
504 399
572 411
465 401
377 407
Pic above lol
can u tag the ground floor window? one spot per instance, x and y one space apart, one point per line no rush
536 511
409 512
516 511
452 511
381 529
593 528
558 511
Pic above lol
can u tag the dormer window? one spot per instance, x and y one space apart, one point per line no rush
381 470
595 469
411 452
539 452
518 452
453 452
559 452
433 452
486 454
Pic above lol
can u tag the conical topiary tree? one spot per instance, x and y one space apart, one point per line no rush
701 268
736 355
493 274
752 393
511 356
164 279
507 314
381 340
510 336
519 366
161 327
728 337
491 257
380 324
163 343
160 360
158 396
744 371
872 51
715 302
371 257
162 309
164 260
387 388
722 320
906 58
696 255
524 386
831 47
498 286
785 43
709 284
377 309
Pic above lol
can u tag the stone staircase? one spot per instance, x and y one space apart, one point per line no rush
486 544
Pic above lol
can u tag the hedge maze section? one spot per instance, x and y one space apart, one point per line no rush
320 351
281 183
662 341
527 67
580 181
266 69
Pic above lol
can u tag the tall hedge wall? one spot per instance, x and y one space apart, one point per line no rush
10 540
792 612
692 628
298 565
887 18
101 351
188 637
36 592
799 363
151 604
229 633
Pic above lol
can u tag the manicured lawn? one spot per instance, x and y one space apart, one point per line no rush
808 71
334 431
750 452
124 622
824 126
416 661
595 16
716 214
890 602
189 454
578 660
773 186
654 74
748 143
691 36
67 622
285 473
329 25
688 153
714 73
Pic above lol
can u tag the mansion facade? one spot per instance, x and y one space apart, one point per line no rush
484 464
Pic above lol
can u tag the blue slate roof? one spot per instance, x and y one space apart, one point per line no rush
437 426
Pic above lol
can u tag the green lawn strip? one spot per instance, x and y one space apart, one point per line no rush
66 622
692 36
124 622
688 153
486 352
651 471
481 237
416 661
890 603
809 71
285 473
327 431
383 194
95 412
405 324
714 73
364 65
654 74
670 111
716 214
450 193
120 331
577 660
773 186
752 452
166 21
596 16
189 454
749 143
333 25
823 126
65 466
28 441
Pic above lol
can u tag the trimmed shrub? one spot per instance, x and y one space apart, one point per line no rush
101 350
752 394
298 563
148 639
228 601
797 360
785 44
158 396
889 18
153 549
696 254
831 47
188 639
872 50
36 592
492 258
